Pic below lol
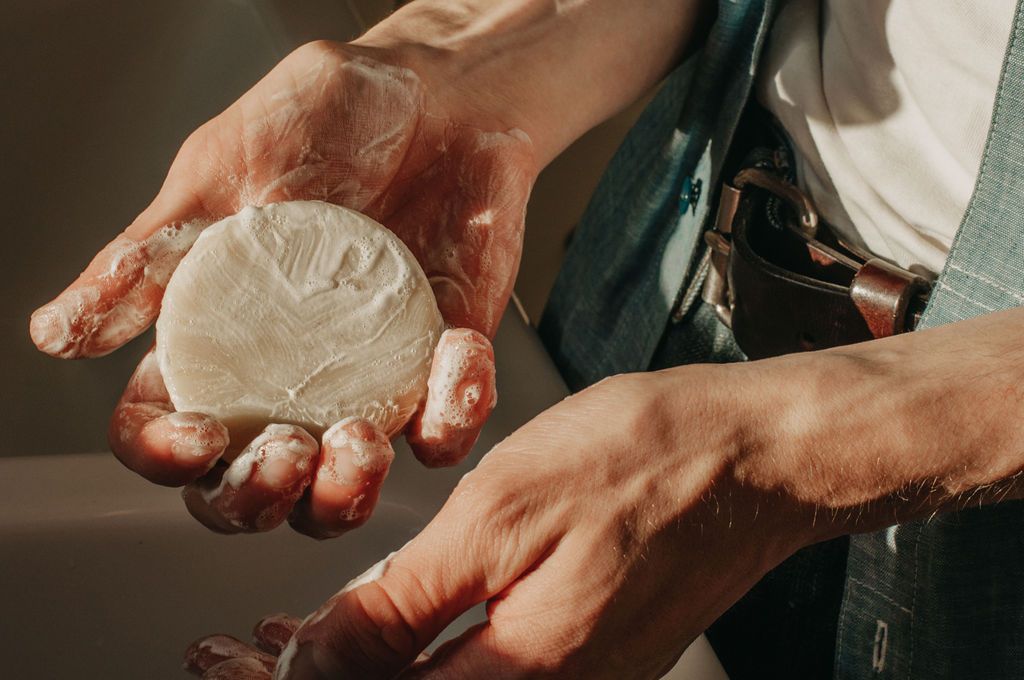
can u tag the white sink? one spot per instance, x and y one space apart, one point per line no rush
103 575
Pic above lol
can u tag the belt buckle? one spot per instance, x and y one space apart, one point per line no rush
881 290
718 239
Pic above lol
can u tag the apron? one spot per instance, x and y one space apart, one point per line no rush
936 599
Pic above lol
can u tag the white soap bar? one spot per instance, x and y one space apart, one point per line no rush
302 313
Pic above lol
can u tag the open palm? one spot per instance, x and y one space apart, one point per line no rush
338 124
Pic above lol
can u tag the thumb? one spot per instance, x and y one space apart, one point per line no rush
476 653
380 622
118 295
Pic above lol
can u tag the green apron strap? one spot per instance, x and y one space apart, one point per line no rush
985 268
944 598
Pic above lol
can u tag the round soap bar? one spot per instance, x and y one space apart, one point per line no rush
301 312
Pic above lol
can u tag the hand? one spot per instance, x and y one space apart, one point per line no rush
605 535
351 126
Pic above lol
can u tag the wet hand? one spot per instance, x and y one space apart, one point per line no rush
604 536
347 125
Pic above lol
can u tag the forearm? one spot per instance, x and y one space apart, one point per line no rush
551 68
892 430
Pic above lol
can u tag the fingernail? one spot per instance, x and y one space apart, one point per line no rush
286 459
195 438
53 326
51 332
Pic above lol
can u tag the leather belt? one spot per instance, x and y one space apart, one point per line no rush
784 282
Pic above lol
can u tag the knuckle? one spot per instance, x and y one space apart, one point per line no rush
380 632
485 522
315 49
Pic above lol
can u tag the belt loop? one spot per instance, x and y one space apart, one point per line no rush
882 293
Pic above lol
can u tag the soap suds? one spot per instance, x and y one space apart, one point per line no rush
196 435
374 573
355 442
353 164
276 442
461 383
95 318
214 649
286 444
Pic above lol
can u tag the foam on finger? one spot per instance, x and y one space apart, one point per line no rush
116 297
257 491
212 650
272 632
461 393
355 459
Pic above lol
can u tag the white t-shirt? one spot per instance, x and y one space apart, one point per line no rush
888 105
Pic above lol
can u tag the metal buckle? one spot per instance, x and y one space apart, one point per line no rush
881 290
718 238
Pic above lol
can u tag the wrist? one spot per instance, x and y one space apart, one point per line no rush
880 433
470 72
457 91
821 434
715 414
552 70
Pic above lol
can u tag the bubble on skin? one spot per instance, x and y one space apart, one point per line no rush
195 435
124 253
357 443
374 573
75 323
52 326
354 512
216 648
274 443
179 419
373 144
271 516
455 389
131 421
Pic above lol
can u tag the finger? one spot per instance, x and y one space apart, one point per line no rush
150 438
273 632
118 295
212 650
259 488
238 669
355 459
378 624
477 653
460 396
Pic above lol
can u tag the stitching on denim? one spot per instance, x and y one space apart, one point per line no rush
946 287
842 628
963 234
880 594
913 600
996 130
989 280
